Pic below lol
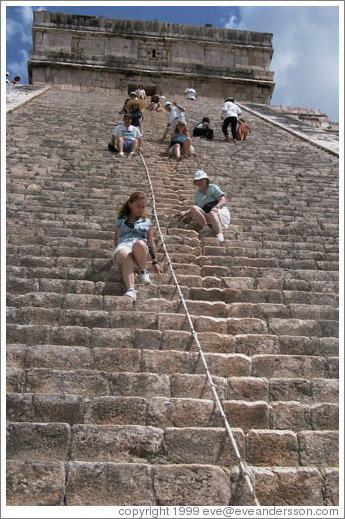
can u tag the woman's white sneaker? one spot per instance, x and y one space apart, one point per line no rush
220 237
144 277
133 294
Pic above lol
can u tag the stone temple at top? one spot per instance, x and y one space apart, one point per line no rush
85 52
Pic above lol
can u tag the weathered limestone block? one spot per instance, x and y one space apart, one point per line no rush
177 340
119 444
147 339
70 335
250 344
205 308
270 448
325 416
241 326
299 345
59 357
182 412
306 327
133 320
15 355
247 415
87 318
216 342
211 282
83 302
79 382
225 364
319 448
158 305
112 338
239 283
172 322
109 484
210 324
331 483
146 385
277 486
274 366
183 446
293 416
188 485
38 441
196 386
291 389
35 483
325 390
116 360
109 410
247 388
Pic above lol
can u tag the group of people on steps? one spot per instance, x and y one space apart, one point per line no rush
133 234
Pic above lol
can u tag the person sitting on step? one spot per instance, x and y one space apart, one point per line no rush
180 142
133 240
126 137
204 129
208 200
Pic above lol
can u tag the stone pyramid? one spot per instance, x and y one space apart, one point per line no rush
109 404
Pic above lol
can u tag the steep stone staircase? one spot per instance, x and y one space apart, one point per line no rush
109 404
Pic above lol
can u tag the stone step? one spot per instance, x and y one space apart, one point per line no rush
36 368
84 406
101 397
260 310
158 321
245 343
141 484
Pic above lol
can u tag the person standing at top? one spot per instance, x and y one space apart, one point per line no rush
175 111
133 240
230 113
190 92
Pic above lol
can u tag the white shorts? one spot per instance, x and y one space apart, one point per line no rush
128 245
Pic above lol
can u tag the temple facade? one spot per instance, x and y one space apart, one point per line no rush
86 53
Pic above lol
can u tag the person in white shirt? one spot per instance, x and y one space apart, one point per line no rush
230 113
175 112
126 137
190 92
140 92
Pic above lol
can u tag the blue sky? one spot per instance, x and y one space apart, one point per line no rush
305 38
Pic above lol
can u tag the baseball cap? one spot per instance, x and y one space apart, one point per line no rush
167 103
132 94
200 174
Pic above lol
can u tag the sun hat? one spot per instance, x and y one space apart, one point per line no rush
167 103
200 174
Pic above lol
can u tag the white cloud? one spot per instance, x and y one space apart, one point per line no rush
306 53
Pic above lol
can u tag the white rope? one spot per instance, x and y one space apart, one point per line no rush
248 475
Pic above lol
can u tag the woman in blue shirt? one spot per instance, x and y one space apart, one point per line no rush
208 199
133 239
